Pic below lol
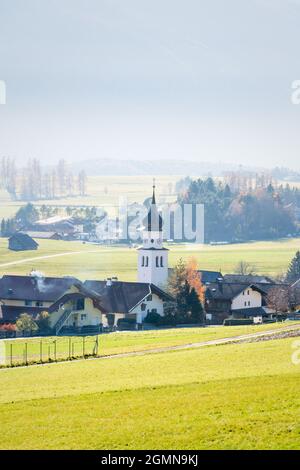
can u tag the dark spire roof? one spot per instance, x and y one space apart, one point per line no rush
153 222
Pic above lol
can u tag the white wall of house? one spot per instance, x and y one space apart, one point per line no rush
249 298
155 304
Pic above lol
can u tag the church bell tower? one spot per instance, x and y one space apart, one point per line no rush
152 256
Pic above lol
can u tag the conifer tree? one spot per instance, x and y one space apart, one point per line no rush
293 273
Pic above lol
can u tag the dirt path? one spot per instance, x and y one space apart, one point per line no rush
36 258
284 332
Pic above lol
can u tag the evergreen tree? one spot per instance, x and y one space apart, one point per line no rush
293 273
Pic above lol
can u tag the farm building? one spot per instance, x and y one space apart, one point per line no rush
44 235
21 242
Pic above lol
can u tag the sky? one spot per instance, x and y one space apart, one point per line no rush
204 80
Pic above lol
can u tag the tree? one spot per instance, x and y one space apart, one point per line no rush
27 215
194 279
43 321
244 268
279 299
82 183
187 291
293 273
26 324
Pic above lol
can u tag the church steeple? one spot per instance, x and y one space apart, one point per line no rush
153 222
153 196
153 257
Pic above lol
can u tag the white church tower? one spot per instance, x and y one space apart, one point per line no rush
153 257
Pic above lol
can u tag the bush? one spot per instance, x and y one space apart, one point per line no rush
152 317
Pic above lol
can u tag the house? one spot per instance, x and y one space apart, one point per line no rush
45 235
78 309
58 224
128 300
240 300
21 242
30 294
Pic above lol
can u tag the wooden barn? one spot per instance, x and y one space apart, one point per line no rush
22 242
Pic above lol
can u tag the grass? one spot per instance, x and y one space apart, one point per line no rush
122 342
242 396
87 261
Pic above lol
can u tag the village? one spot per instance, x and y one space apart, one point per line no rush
92 306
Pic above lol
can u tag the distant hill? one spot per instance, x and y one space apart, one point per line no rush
153 167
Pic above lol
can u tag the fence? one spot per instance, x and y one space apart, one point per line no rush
19 352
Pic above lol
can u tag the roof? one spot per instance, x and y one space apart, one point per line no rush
42 234
253 312
20 240
209 276
34 287
248 278
83 293
122 297
227 290
11 313
153 222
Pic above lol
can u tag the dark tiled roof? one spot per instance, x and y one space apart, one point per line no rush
121 297
252 312
247 279
10 313
225 290
34 288
22 241
210 276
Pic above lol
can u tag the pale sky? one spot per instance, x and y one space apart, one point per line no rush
196 80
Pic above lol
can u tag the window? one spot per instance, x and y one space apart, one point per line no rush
161 262
143 261
243 292
249 303
149 298
39 304
83 316
28 303
248 292
245 303
79 304
147 261
143 307
157 262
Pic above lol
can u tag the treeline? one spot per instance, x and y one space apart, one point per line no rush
33 182
236 215
28 214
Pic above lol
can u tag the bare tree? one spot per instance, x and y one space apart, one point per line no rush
279 299
244 268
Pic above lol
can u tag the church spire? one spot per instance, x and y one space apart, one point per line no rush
153 196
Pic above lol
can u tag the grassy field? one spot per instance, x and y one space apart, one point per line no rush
31 349
104 191
243 396
87 261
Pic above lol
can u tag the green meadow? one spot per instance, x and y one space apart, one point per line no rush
17 351
238 396
88 261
